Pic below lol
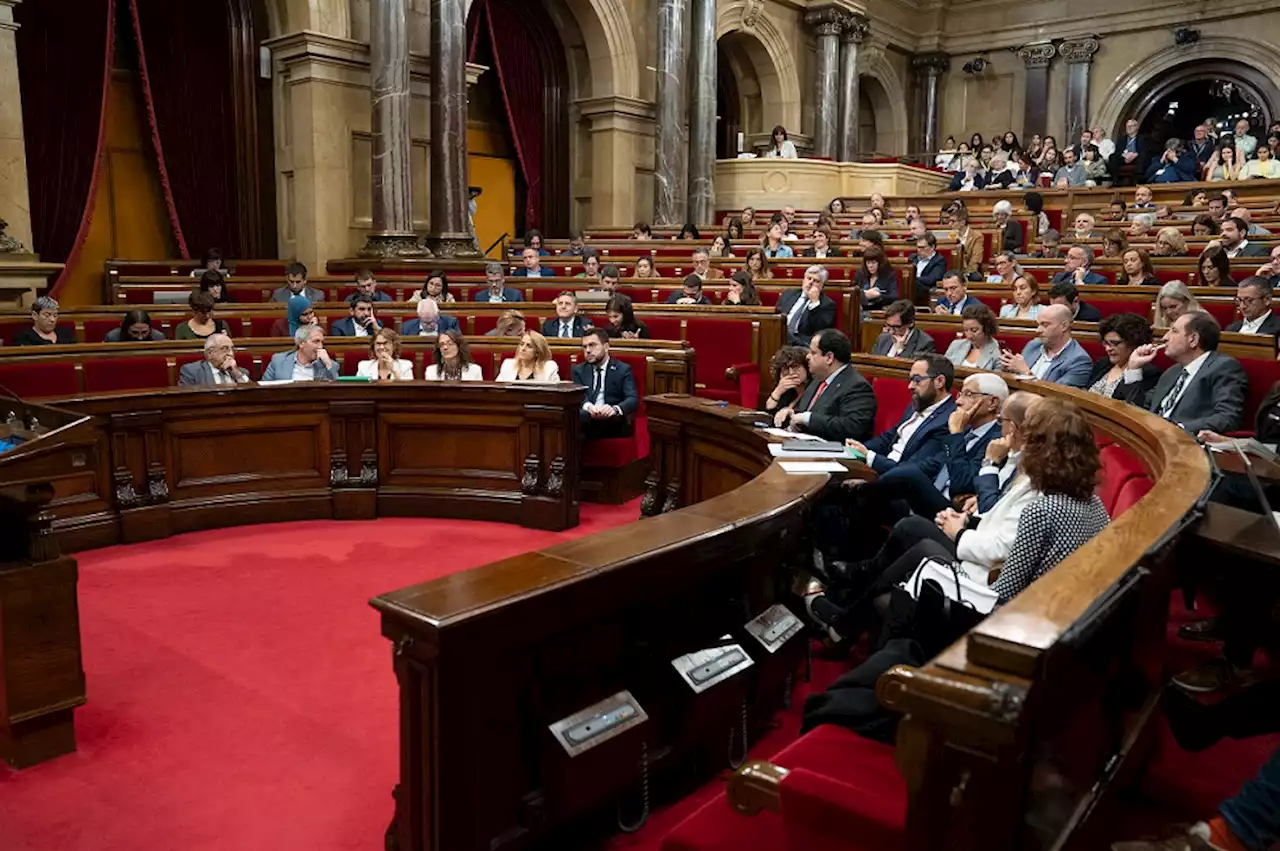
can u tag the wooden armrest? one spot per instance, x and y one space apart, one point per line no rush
754 787
731 373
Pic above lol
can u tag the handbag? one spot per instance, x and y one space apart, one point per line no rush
953 583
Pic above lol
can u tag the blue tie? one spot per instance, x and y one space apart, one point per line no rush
943 480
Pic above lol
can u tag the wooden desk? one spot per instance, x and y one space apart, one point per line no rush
1241 533
1231 462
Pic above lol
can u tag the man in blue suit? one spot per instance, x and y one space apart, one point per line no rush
1075 268
361 322
919 435
498 291
532 267
307 362
367 284
955 296
567 324
430 321
611 397
1054 356
930 266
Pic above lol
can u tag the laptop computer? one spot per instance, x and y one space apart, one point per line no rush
1269 524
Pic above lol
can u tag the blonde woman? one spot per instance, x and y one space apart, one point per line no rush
385 363
1169 243
1173 301
532 361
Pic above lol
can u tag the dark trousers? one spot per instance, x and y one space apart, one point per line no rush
910 486
593 429
1254 812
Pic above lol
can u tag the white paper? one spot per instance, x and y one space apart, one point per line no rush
275 381
808 467
790 435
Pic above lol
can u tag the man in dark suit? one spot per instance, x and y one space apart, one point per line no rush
218 367
498 291
1204 392
1076 268
807 310
361 322
295 275
1065 292
1129 163
1234 237
430 321
691 293
567 324
930 266
919 435
532 265
611 398
838 404
901 338
1253 296
955 295
367 284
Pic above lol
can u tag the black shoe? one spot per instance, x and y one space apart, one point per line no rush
1206 630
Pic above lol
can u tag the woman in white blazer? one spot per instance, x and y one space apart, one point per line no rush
453 360
385 363
532 361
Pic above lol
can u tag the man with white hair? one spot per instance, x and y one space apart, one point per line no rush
218 367
430 321
999 177
806 309
1075 267
1054 356
1010 238
1083 226
307 362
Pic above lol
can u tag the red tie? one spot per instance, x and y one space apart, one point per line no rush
814 400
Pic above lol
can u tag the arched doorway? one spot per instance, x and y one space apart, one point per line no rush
866 119
1180 99
728 109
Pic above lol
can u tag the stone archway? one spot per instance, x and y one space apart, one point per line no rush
888 98
757 42
1252 64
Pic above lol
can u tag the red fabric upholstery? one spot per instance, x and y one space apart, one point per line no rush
720 343
485 323
1110 306
716 827
1130 492
612 452
33 380
1223 311
95 330
1262 375
1118 467
107 374
665 328
13 327
748 384
991 300
351 360
892 397
942 337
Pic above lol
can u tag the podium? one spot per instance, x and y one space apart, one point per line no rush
41 678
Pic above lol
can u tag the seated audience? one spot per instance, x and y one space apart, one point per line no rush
1008 230
877 280
1142 198
1050 244
901 338
970 177
1034 202
688 231
1201 146
436 287
510 324
532 265
567 324
1136 268
1245 216
720 247
1203 225
361 323
136 327
702 266
307 362
215 284
385 363
742 291
453 359
757 265
1175 165
577 243
1253 300
1235 241
1114 242
807 310
211 261
644 268
201 324
919 435
642 231
532 361
1222 165
590 265
1214 269
1271 269
498 291
930 266
533 239
1072 173
690 293
1169 243
822 247
1265 166
1121 334
609 278
790 367
772 243
1054 356
367 284
295 276
44 328
735 230
612 398
622 319
1076 268
1083 227
978 347
999 176
1116 211
430 321
1173 300
1026 299
1067 294
1204 391
955 297
971 247
218 367
1004 269
838 404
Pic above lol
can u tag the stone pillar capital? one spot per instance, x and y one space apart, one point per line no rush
1037 55
931 64
1079 51
855 29
826 21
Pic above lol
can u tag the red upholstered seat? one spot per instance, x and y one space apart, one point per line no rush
548 293
261 326
1262 375
1118 467
720 343
664 327
95 330
11 328
1223 311
991 300
564 362
769 297
892 397
1130 492
485 323
351 360
943 337
33 380
140 373
143 295
1112 306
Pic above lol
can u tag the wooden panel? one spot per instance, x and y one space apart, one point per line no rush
265 450
441 448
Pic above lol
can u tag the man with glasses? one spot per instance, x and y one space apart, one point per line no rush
218 367
901 338
918 436
1253 300
930 266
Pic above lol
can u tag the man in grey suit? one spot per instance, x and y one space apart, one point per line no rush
901 338
1204 392
1054 356
295 275
839 403
308 362
1235 240
218 367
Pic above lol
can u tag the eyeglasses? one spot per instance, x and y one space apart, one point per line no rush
1111 344
1249 299
966 393
897 327
916 379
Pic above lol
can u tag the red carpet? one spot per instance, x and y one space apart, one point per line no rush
240 695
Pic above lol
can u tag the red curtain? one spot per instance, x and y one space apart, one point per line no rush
64 61
185 60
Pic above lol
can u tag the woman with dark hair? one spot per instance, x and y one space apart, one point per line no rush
533 239
976 142
756 265
822 247
877 279
436 286
734 229
201 324
742 290
790 367
642 231
1136 268
836 207
644 267
135 327
689 231
978 347
622 319
1114 242
771 243
1009 143
1034 202
1214 268
385 363
213 283
780 145
1204 225
1121 333
210 261
453 360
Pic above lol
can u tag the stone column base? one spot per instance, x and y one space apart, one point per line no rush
451 245
385 246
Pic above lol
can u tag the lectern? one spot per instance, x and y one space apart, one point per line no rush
41 678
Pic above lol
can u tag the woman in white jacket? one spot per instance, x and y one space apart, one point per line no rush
532 361
385 363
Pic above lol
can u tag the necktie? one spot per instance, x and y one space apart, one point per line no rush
1168 402
564 328
597 386
793 321
943 479
814 400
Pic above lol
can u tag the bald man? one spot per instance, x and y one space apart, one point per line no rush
218 367
1054 355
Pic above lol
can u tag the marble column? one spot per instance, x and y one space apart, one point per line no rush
1078 52
855 30
930 67
671 148
15 199
827 23
702 112
1035 112
392 234
450 235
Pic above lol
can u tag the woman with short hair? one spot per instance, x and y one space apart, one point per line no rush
201 324
1114 243
214 283
453 360
532 361
790 367
1204 225
385 363
44 330
978 347
1169 243
876 279
1120 333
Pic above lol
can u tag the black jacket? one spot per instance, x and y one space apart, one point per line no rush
934 268
811 320
1150 375
846 409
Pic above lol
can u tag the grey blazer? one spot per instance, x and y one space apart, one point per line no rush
960 348
282 364
1213 400
918 343
200 374
311 294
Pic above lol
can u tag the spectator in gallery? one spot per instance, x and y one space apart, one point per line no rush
1000 176
1173 300
533 361
435 287
1026 299
1175 165
1129 162
385 363
1222 165
498 291
577 243
136 327
942 159
644 268
790 369
44 328
510 324
611 399
1105 146
307 362
1136 268
430 321
533 239
211 261
780 145
689 231
214 283
1072 173
452 360
978 348
367 284
295 276
1095 167
969 177
218 367
622 319
1201 146
742 290
642 231
1244 143
202 322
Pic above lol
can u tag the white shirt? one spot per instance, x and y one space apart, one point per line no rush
1133 376
1254 326
803 419
788 150
905 432
361 331
304 373
550 372
1106 147
471 373
564 327
1041 367
534 273
1240 246
920 264
369 369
